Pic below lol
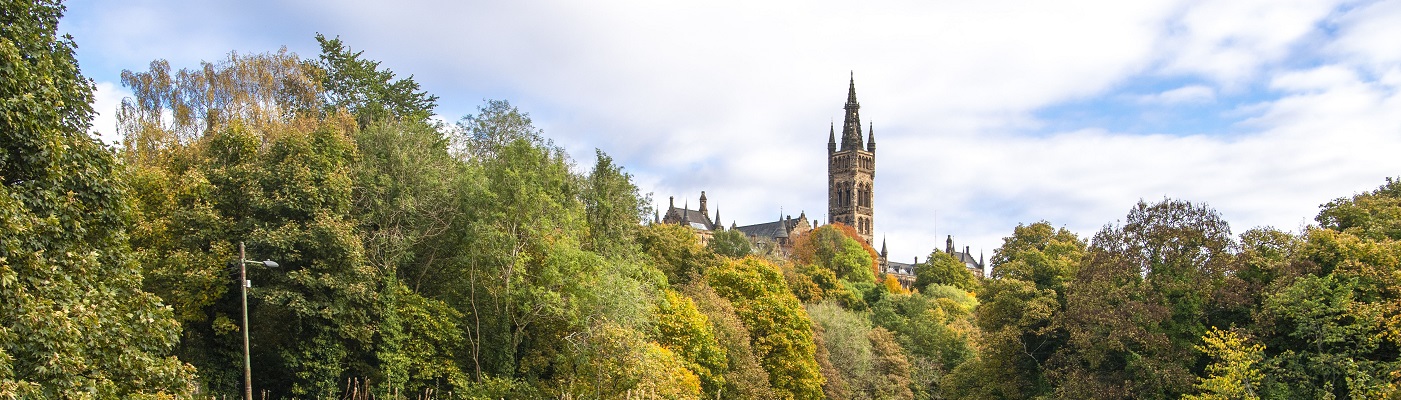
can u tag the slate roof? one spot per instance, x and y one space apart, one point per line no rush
775 229
692 217
893 267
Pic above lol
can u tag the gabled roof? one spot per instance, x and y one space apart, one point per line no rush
775 229
900 268
676 215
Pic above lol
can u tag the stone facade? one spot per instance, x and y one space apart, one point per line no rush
851 172
776 236
697 220
905 273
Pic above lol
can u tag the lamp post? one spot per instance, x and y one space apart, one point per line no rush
243 285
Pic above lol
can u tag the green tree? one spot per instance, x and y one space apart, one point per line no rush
890 367
744 377
74 322
682 329
942 269
933 328
1140 302
730 243
837 250
842 334
676 251
614 208
780 328
1017 313
362 88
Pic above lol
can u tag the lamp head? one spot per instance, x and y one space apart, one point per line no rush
270 263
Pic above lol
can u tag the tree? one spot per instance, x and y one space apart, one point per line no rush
1139 303
890 367
372 94
847 350
74 322
933 328
781 330
675 250
837 248
1040 254
730 243
683 330
614 207
1018 310
942 269
1234 372
744 377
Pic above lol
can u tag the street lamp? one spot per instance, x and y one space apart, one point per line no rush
243 285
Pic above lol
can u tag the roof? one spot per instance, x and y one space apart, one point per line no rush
900 268
775 229
968 260
691 217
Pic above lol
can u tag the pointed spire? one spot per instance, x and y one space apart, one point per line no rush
831 137
851 124
656 217
851 89
882 248
685 213
871 139
718 225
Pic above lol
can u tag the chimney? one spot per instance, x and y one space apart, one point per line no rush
703 210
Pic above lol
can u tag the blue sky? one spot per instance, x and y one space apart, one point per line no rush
987 114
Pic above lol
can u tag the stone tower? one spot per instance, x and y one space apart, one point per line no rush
851 171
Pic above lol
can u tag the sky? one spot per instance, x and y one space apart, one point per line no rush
987 114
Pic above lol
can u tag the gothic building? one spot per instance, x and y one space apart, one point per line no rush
776 236
698 220
851 171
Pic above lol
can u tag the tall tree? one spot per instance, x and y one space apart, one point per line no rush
74 322
782 332
361 87
1018 310
940 268
1139 303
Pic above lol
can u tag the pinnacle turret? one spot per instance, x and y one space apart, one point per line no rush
831 137
851 124
871 140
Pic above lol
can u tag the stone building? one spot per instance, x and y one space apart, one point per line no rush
777 235
698 220
905 273
974 265
851 171
851 175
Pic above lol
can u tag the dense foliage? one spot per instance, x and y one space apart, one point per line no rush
420 259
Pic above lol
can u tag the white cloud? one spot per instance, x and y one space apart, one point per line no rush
735 98
1185 94
1231 41
106 99
1367 34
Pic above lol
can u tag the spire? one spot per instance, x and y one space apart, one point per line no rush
851 124
871 139
717 223
686 213
831 137
882 248
656 217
